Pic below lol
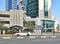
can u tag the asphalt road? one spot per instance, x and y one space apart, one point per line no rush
30 41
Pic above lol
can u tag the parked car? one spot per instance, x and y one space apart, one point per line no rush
23 34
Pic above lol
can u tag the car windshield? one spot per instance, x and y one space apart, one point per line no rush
23 32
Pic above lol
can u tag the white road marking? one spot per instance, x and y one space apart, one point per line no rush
43 36
19 37
6 37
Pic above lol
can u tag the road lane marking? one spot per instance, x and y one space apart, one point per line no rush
6 37
43 36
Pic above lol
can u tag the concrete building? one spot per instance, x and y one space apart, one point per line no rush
4 16
12 18
16 18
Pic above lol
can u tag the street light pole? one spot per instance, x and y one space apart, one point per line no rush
53 32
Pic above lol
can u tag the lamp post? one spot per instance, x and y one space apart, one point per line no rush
53 32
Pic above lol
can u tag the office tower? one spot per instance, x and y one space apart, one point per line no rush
37 7
11 5
32 8
45 13
25 4
41 9
44 8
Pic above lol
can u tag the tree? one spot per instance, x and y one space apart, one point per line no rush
2 27
29 25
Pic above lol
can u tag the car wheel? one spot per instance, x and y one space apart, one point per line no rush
27 34
18 35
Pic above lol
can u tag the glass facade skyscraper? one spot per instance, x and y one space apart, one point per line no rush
41 9
25 4
32 8
11 4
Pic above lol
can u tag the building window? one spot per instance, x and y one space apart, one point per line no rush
46 8
32 8
48 24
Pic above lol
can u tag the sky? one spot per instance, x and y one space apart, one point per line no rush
55 8
2 5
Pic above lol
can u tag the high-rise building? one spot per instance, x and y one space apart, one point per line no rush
25 4
44 12
37 7
41 10
32 8
11 4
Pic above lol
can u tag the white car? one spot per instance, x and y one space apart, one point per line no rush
23 34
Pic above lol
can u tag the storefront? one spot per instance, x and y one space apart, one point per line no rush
48 24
